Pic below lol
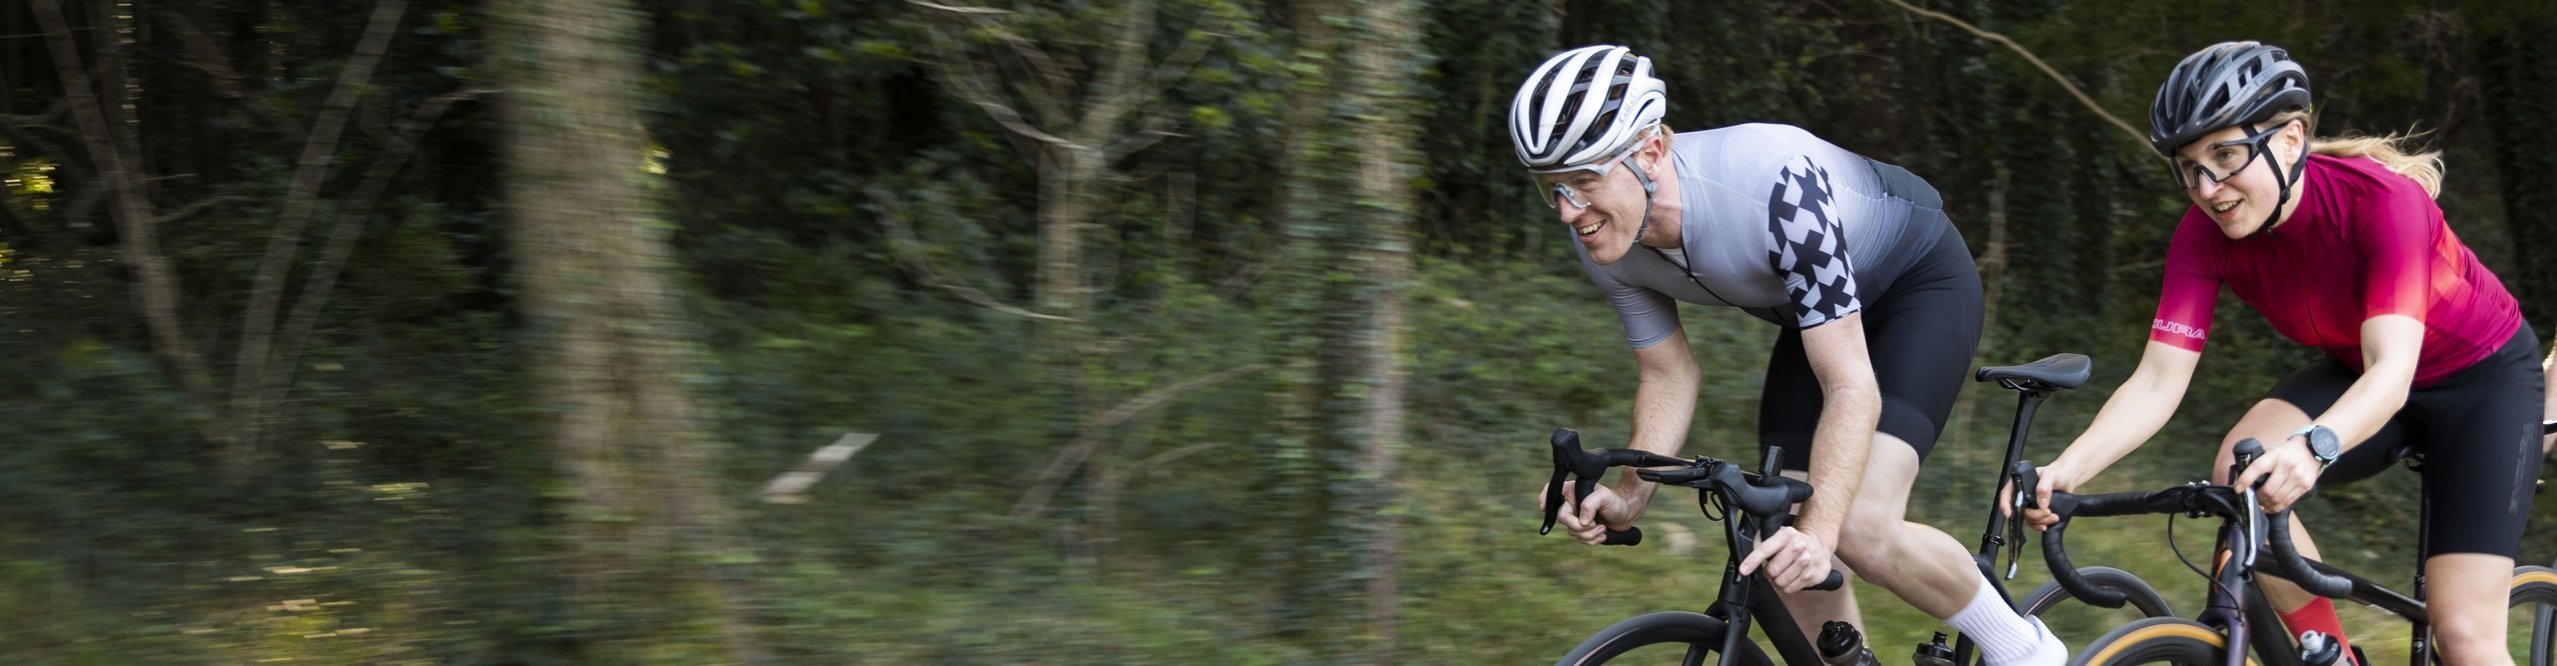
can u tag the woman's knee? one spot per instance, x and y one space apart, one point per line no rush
2466 596
2471 631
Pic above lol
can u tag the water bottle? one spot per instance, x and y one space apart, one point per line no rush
1841 645
1933 653
2319 649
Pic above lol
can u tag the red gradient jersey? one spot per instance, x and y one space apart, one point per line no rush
2364 242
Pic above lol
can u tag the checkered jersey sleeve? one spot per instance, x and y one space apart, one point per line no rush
1810 249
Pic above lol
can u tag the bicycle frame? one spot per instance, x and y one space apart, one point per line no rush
1741 599
2409 608
2236 599
1750 506
2028 400
1744 597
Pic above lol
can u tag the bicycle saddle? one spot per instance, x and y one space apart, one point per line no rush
2057 371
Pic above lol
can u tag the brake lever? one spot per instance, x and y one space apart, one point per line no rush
2242 456
2021 483
1566 443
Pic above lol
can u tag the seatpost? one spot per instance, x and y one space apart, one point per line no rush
2422 646
2028 398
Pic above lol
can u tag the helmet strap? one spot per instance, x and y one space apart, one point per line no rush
2298 168
1648 187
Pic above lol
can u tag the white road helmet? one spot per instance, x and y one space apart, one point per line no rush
1584 105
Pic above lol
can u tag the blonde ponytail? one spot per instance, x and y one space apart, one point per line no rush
2392 151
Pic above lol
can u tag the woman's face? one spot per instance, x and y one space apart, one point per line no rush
2235 175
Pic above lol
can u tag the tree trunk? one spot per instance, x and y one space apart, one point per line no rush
1343 392
1385 62
118 162
594 272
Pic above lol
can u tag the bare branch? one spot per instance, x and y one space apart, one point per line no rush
1034 502
154 280
43 120
792 486
257 339
1053 80
1157 461
191 209
966 81
205 54
1241 280
1176 66
920 267
2136 135
1141 404
958 10
351 222
1157 127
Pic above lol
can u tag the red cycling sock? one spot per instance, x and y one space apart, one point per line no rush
2319 616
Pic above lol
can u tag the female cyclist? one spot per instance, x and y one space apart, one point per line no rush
2338 243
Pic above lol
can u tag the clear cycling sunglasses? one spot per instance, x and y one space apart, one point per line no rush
1579 197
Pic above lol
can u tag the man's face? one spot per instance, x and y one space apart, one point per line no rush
1614 202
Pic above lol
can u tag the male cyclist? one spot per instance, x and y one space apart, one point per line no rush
1878 299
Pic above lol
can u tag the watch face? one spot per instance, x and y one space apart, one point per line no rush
2322 443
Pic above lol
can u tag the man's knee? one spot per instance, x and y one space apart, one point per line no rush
1870 540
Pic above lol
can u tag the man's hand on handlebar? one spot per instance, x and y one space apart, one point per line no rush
1590 520
1794 560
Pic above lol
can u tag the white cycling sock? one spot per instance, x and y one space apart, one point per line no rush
2003 636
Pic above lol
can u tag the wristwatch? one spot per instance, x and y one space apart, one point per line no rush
2322 444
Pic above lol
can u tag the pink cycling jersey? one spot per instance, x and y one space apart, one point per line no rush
2364 242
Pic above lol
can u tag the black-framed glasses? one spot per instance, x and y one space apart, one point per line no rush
2223 160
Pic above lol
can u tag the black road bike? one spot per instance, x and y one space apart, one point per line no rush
1764 500
2236 626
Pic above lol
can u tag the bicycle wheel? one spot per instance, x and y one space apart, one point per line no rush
2529 626
2059 609
2143 599
1680 637
2157 640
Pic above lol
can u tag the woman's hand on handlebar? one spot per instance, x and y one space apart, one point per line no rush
1589 520
2287 471
2057 477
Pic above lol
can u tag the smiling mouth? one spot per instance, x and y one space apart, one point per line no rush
2223 208
1591 229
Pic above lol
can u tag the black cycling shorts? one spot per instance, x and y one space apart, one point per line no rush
2477 429
1920 334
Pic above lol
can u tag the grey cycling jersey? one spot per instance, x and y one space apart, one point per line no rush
1778 223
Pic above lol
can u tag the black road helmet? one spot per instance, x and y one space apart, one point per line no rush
2225 85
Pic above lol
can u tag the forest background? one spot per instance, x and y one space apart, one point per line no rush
1104 331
